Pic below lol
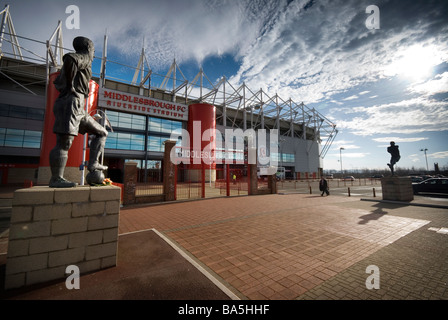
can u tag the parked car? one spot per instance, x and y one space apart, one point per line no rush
348 178
416 179
432 185
377 176
329 176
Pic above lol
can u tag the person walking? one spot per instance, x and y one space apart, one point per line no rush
323 186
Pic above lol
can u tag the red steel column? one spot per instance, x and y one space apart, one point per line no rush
201 117
205 114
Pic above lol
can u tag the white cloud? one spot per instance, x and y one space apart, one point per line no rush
185 30
414 158
439 155
398 139
352 155
310 55
351 98
346 144
437 85
403 117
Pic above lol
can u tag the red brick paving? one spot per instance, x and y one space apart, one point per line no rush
273 246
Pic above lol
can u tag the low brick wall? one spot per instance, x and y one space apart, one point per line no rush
397 188
54 228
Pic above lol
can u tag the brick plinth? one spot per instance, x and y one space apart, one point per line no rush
397 188
54 228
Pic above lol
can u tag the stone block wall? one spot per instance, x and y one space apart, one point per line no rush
54 228
397 188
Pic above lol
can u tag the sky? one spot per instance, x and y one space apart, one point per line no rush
378 80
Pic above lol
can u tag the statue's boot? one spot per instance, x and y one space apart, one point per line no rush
58 160
96 150
59 182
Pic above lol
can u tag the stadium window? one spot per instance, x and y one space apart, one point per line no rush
4 110
20 138
125 141
7 110
35 114
155 143
17 112
155 124
288 157
126 120
31 139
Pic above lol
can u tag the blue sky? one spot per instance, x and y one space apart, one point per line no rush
376 85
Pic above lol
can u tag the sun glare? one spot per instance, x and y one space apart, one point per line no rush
414 63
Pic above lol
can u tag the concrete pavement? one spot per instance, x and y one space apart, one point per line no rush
299 246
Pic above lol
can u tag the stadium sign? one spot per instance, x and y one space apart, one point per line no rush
122 101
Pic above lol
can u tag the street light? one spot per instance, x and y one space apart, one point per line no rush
340 158
424 150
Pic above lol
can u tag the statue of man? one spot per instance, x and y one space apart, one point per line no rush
395 156
70 115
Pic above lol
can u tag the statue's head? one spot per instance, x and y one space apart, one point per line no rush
392 143
84 45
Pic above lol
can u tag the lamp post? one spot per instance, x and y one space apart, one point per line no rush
340 159
424 150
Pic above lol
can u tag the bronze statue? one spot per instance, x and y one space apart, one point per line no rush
395 156
71 118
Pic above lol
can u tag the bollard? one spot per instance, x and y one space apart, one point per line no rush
349 191
374 194
311 191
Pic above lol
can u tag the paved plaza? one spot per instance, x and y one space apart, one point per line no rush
304 246
297 246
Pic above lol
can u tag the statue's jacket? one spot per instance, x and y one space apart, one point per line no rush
73 85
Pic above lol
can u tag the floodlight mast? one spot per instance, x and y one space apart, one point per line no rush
7 22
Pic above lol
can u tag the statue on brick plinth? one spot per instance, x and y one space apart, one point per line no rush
71 118
395 156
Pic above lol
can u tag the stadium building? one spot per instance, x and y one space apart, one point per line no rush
142 109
